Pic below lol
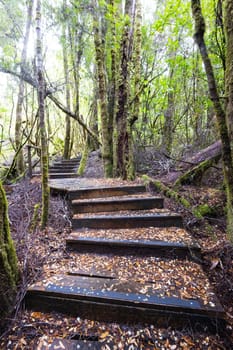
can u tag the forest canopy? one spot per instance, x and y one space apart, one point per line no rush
175 111
114 75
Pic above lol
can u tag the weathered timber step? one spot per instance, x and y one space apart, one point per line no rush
117 301
101 192
95 192
133 247
72 160
62 175
71 164
62 170
64 166
60 344
132 221
96 206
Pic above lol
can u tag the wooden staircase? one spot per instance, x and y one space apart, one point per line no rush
63 169
122 222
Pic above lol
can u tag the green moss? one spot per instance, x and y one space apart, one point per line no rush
35 217
8 259
204 210
195 174
83 161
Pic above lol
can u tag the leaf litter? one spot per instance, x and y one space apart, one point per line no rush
168 234
39 254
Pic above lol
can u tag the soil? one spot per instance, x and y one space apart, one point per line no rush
42 252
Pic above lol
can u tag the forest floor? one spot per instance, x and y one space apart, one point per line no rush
39 251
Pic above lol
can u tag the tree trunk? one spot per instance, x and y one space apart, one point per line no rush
137 63
112 105
123 147
214 96
168 118
41 106
229 66
101 73
66 151
228 11
8 261
19 106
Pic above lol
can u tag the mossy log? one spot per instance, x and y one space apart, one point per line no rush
204 158
199 212
194 175
8 261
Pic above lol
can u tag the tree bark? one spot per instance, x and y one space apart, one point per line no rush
229 66
41 106
137 63
228 12
123 147
214 96
19 107
66 152
168 117
8 261
112 105
101 73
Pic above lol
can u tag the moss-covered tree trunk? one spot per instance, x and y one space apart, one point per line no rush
112 105
93 121
228 21
123 146
214 96
137 49
19 107
41 106
168 117
8 262
67 142
228 13
106 127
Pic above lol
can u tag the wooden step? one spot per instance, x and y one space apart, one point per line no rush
70 344
115 300
82 192
134 247
96 206
67 162
101 192
64 166
62 170
62 175
131 221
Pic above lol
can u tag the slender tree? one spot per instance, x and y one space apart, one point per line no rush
67 142
229 65
41 105
168 117
214 96
8 261
19 106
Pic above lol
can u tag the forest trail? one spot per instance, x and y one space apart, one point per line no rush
129 260
63 169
